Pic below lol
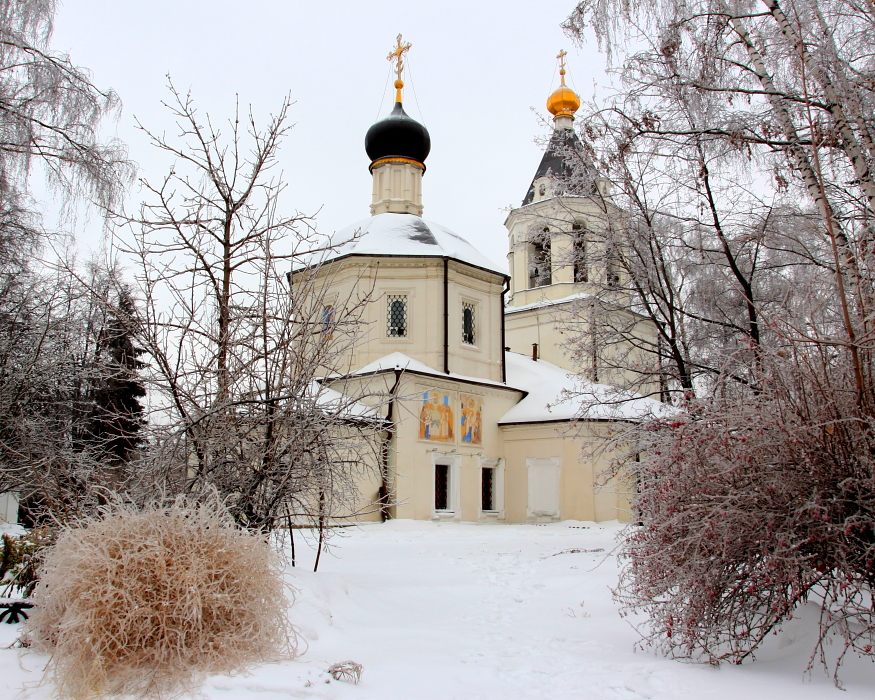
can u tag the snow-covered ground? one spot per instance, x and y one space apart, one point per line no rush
465 611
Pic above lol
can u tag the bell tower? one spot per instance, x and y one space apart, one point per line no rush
556 239
553 236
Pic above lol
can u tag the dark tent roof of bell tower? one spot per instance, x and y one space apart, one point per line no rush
564 144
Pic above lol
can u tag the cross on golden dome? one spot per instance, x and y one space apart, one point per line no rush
561 56
564 102
397 55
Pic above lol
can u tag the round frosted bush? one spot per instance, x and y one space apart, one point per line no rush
148 603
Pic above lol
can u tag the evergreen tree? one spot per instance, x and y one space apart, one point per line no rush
116 419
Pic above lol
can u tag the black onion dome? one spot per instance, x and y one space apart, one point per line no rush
398 136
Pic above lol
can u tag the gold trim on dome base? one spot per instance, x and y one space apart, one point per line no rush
396 159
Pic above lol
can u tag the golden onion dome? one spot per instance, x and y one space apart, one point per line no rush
564 102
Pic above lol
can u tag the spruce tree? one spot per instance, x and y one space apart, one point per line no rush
114 428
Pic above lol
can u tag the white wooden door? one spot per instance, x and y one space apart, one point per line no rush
543 487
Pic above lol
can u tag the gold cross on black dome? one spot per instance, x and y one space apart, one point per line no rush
397 55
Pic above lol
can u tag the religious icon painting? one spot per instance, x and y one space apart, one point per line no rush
471 419
328 321
436 417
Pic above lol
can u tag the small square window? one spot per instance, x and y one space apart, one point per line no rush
396 317
469 327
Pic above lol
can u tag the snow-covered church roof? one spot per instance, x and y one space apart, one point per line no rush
405 235
542 384
399 361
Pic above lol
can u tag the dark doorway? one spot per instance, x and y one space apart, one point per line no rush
487 489
441 486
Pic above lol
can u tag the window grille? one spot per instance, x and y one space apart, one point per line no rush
396 326
468 327
487 489
441 486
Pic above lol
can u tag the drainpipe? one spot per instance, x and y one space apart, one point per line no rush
446 316
503 341
385 448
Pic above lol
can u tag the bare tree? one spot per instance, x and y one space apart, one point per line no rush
50 120
739 145
50 116
236 344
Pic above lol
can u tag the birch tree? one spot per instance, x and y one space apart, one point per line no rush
51 116
50 119
739 144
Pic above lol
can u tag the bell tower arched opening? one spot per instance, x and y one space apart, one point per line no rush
540 259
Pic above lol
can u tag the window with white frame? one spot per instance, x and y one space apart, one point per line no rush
491 487
612 269
446 486
469 323
487 488
396 315
441 487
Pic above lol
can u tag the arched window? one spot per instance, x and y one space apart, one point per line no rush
612 269
540 263
396 319
468 328
578 252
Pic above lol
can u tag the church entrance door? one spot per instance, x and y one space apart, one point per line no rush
543 488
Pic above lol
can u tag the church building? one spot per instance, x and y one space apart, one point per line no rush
470 349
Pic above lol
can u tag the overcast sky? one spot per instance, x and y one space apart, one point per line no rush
477 68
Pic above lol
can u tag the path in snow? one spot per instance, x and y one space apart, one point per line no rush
465 611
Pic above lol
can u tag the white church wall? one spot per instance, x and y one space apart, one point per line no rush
397 187
483 291
421 282
538 327
415 456
580 498
544 326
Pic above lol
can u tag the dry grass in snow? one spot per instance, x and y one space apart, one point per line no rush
148 603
